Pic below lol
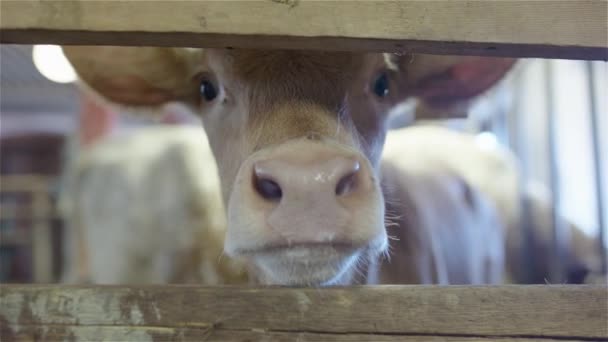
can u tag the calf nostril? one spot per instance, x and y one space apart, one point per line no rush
347 183
313 136
267 188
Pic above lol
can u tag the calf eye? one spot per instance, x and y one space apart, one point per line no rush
381 85
208 91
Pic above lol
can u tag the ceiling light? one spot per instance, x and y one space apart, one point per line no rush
52 64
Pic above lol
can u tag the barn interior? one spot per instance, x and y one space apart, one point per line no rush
552 115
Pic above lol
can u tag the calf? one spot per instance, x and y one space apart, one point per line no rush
146 208
143 206
297 137
442 229
495 173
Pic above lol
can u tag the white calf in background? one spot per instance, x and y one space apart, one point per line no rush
146 207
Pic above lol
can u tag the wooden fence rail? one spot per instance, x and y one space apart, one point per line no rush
383 313
520 28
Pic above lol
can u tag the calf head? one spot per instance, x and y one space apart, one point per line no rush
297 137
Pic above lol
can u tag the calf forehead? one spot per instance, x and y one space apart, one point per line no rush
278 65
274 76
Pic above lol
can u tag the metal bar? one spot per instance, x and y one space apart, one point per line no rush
597 162
560 238
527 261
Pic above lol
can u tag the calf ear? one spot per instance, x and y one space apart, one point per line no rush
137 76
448 83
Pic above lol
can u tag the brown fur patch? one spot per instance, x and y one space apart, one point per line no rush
273 76
290 120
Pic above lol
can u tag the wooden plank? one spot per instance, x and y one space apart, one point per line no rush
14 239
424 312
531 28
138 333
25 183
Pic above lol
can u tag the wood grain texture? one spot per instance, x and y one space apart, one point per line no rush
531 28
137 333
382 313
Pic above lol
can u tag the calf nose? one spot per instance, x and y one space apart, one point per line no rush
338 176
305 193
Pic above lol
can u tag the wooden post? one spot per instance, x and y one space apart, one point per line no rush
42 253
41 214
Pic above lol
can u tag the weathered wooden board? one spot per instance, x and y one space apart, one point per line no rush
163 334
383 313
530 28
